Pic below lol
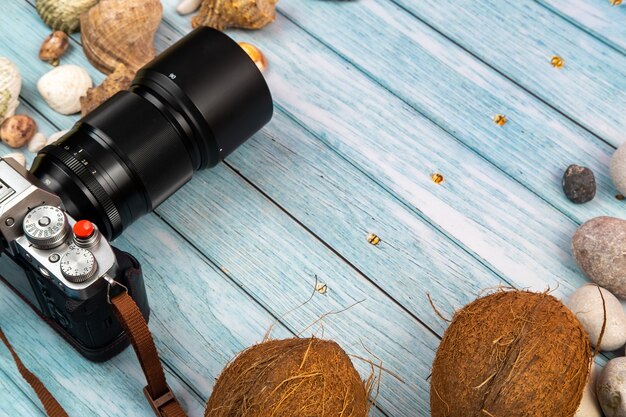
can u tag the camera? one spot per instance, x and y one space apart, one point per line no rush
186 110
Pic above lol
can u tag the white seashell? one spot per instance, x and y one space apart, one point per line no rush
63 87
37 142
10 85
56 136
188 6
17 156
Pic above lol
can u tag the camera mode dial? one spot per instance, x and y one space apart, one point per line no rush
78 264
46 227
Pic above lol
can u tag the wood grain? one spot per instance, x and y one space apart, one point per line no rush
370 102
519 40
597 17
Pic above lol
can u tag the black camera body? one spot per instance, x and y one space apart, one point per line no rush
186 110
61 267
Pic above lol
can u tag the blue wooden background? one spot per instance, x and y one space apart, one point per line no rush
372 97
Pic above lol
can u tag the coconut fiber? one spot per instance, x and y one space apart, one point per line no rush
290 378
512 353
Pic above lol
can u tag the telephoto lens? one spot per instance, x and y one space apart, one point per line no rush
186 110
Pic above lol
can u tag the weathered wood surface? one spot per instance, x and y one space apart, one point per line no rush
370 101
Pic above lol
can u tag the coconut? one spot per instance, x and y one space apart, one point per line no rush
512 353
290 378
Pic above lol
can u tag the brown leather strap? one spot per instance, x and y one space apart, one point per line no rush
50 404
158 393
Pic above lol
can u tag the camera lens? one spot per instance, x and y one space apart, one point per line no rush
186 110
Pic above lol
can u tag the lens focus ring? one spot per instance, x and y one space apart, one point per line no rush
89 181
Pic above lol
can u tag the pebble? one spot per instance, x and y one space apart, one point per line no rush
586 304
599 246
17 130
579 184
618 168
611 388
589 406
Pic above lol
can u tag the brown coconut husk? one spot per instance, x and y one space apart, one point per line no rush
512 353
306 377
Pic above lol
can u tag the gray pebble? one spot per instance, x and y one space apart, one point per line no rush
618 169
611 388
586 303
579 184
599 247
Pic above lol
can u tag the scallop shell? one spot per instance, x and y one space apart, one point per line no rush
10 86
63 14
63 87
120 32
245 14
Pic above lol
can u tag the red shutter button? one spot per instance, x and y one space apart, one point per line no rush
83 229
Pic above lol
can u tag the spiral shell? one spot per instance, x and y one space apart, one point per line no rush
120 32
63 14
10 86
245 14
63 87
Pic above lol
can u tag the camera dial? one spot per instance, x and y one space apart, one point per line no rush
46 227
78 264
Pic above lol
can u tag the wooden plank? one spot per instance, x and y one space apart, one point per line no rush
519 41
341 206
504 224
597 17
534 147
18 403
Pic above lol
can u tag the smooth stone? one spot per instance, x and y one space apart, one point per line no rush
611 388
586 304
589 406
579 184
599 247
618 169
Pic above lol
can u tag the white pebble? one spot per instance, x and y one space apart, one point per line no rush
56 136
589 406
188 6
37 142
611 388
618 169
586 304
17 156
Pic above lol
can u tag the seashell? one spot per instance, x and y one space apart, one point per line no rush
17 130
120 31
245 14
63 87
63 14
10 86
53 47
188 6
118 80
255 54
56 136
17 156
37 142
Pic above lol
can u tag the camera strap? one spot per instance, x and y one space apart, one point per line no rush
158 393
